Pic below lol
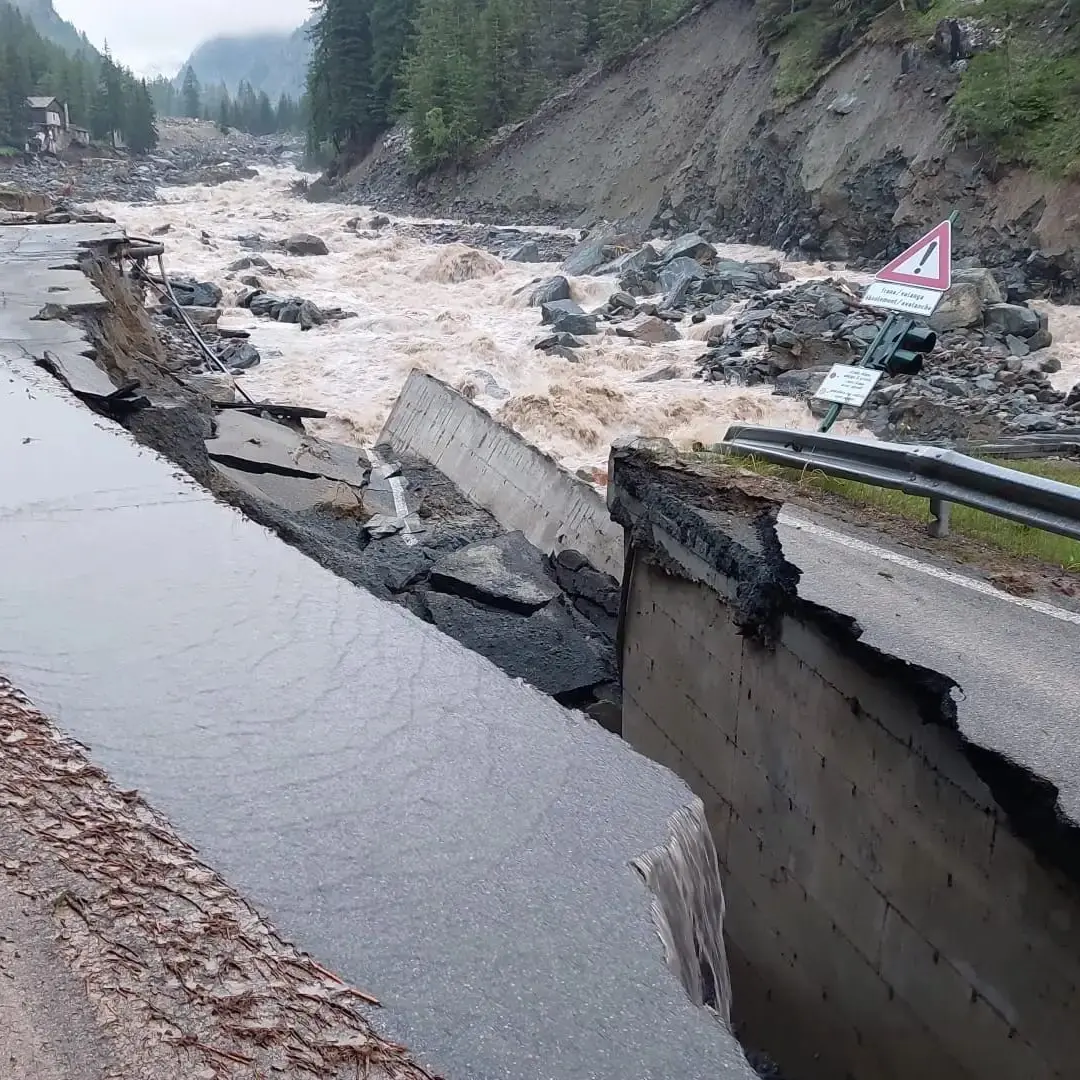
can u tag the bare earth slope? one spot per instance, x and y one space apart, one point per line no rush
689 127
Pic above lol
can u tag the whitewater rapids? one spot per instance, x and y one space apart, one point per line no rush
452 312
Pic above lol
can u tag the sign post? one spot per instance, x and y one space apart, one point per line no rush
913 284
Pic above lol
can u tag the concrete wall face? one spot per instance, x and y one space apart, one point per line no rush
523 488
883 921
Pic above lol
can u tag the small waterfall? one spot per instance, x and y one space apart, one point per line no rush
688 908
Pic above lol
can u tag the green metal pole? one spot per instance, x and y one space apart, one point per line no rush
863 361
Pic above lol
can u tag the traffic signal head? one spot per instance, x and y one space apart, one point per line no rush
907 356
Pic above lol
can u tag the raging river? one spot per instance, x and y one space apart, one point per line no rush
462 316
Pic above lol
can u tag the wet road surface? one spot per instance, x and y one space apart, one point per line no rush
450 840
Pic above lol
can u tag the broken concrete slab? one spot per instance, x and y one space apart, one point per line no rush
507 572
83 377
255 444
547 649
295 493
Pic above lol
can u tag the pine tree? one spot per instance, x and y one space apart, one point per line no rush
390 22
191 94
107 114
141 132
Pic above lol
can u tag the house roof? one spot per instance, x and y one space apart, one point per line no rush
41 102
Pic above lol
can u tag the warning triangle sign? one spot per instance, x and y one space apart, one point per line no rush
927 263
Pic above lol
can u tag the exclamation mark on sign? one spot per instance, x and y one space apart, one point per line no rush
930 249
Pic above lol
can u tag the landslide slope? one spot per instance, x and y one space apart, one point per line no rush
691 129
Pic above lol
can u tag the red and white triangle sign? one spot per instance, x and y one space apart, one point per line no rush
927 263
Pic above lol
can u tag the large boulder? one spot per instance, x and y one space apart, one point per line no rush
649 329
550 290
632 260
983 280
690 246
190 293
305 244
960 307
567 317
1013 319
597 250
528 252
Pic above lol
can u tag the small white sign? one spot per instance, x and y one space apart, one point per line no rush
907 298
847 385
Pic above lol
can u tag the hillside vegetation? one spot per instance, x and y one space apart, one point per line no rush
457 69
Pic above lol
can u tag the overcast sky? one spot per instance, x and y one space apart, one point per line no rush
153 36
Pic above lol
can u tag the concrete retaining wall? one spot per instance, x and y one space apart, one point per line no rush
522 487
884 920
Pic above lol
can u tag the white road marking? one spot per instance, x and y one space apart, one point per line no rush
885 555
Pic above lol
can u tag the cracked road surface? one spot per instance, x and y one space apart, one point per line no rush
1014 659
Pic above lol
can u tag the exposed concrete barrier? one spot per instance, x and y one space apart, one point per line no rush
902 896
521 486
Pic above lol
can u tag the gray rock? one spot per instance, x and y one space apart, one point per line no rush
660 374
960 307
239 355
951 386
680 270
248 262
1035 422
190 293
593 253
785 338
1041 339
1013 319
289 312
1051 365
565 353
842 104
567 316
264 304
1017 346
649 329
305 244
622 301
691 246
549 291
507 572
800 384
553 309
565 341
983 280
309 316
379 221
632 260
526 253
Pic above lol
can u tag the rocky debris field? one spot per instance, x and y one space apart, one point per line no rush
987 376
656 291
514 245
189 152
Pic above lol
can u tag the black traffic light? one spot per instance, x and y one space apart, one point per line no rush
907 357
902 348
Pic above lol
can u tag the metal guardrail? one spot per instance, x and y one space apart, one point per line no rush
940 475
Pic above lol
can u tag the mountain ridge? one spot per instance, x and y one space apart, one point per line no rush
44 18
271 61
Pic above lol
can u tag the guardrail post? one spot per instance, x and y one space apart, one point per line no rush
939 517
